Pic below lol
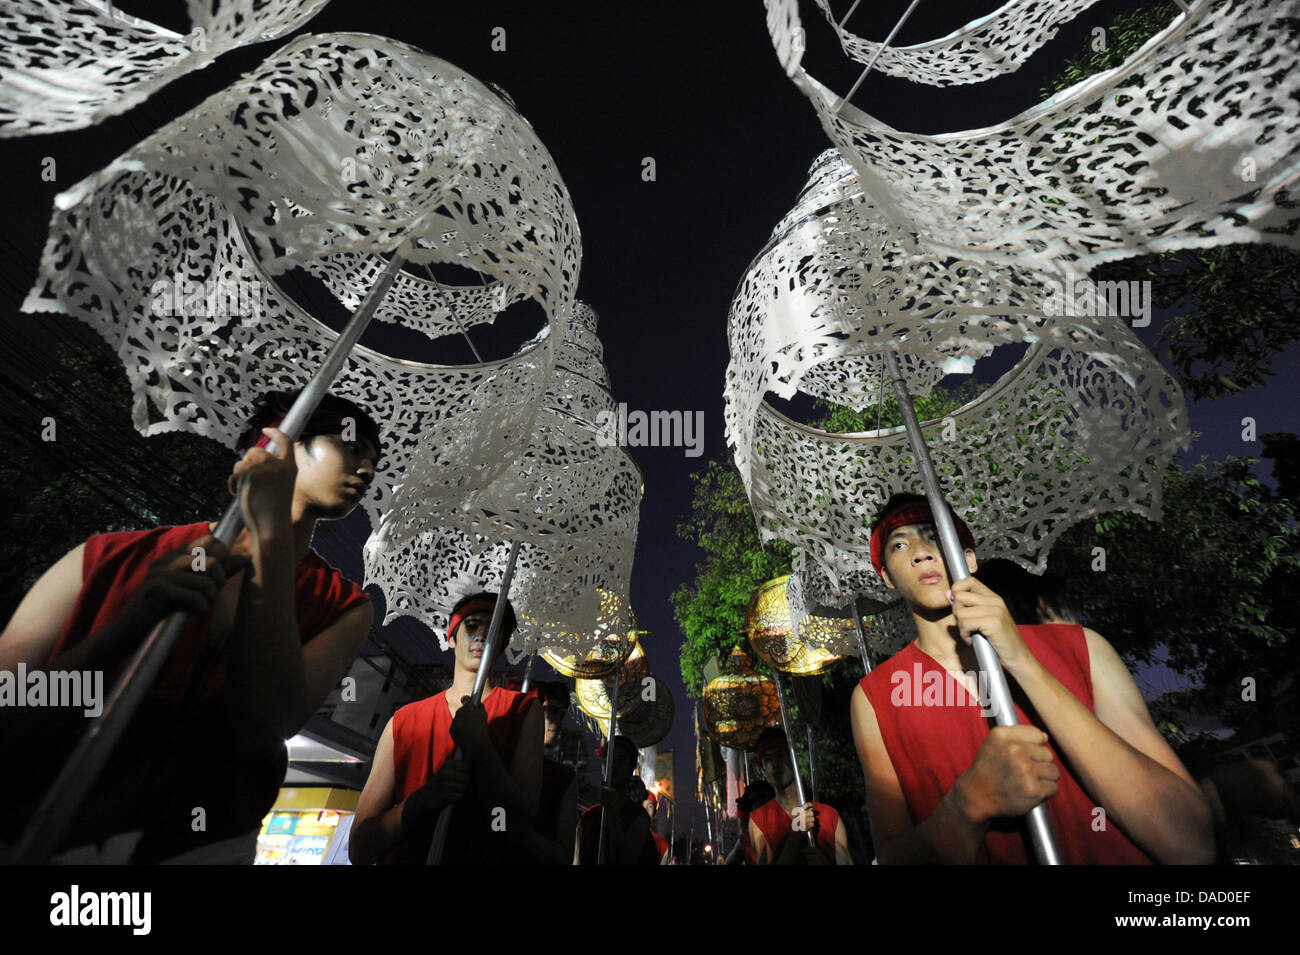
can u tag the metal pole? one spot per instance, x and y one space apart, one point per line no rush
862 637
881 49
528 670
1039 820
789 744
812 765
603 848
69 790
490 650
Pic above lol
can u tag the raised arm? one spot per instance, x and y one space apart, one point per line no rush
1122 760
1114 749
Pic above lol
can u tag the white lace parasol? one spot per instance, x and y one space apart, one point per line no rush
67 64
1192 142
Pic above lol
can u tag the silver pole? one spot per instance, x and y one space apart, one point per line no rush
881 49
812 765
1040 821
789 743
603 847
528 670
69 790
490 649
862 637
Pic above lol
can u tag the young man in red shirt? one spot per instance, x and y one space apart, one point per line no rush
491 788
651 806
273 629
627 836
942 787
778 829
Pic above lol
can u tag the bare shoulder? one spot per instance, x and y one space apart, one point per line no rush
31 633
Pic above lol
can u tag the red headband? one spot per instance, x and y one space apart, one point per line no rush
918 512
473 607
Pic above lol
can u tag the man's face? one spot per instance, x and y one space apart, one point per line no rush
776 767
651 807
914 566
624 763
333 474
552 729
470 640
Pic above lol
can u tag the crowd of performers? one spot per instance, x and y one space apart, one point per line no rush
274 629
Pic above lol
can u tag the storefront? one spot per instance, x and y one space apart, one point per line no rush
307 827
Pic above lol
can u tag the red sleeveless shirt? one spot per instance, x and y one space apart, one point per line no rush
932 729
774 823
170 760
422 743
114 566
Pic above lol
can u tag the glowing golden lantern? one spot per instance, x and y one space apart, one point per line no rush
606 656
594 695
740 703
772 636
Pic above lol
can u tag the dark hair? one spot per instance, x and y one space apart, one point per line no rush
636 790
628 746
326 419
555 698
509 622
1021 591
771 733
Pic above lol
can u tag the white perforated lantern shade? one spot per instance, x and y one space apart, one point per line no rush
280 170
838 284
171 214
1061 437
1083 424
570 500
984 48
776 640
1196 154
67 64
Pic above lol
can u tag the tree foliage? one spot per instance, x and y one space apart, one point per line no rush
97 474
1211 587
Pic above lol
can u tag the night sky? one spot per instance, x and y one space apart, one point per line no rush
695 86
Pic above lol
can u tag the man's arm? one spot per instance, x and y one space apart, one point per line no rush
31 635
1114 749
515 790
1121 759
377 825
272 680
380 822
762 851
1012 772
